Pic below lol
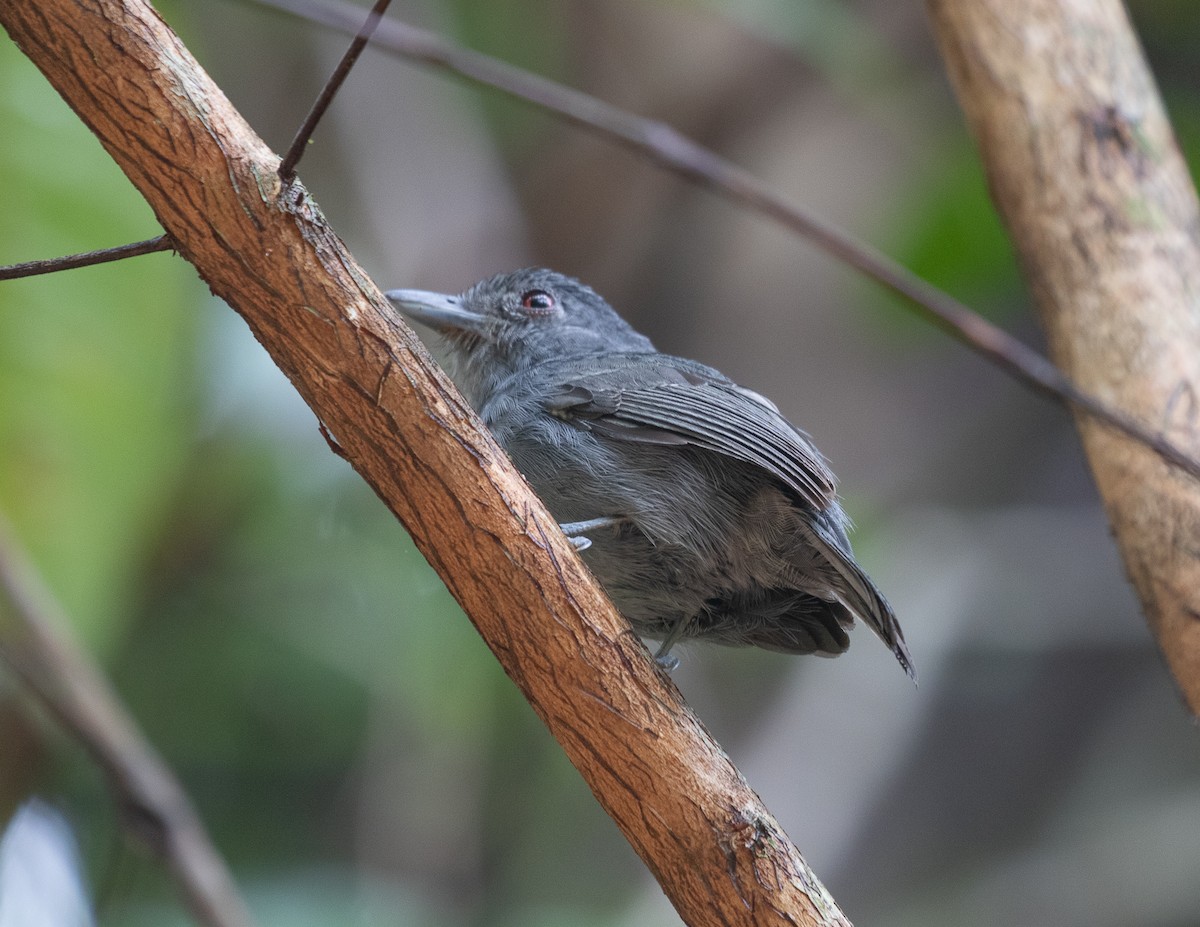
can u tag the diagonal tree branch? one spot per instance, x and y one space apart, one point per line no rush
35 644
265 248
1086 173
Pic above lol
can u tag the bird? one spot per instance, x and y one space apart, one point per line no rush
702 511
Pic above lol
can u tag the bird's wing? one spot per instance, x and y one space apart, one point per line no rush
671 402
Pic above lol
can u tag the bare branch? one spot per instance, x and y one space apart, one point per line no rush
86 259
35 643
287 167
680 155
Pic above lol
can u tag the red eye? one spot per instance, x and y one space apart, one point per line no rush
537 302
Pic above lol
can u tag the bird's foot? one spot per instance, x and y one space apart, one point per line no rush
663 656
574 529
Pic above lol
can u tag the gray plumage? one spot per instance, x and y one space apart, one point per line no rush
722 520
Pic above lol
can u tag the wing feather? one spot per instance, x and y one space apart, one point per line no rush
688 406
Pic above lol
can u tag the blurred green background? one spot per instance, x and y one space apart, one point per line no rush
357 753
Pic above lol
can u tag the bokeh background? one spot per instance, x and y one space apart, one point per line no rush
358 754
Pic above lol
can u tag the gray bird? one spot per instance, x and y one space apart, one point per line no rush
700 509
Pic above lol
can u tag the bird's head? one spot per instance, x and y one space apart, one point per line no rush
512 322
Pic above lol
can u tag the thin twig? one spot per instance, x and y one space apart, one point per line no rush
34 642
287 167
684 157
86 259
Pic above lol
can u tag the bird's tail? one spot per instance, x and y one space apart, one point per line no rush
858 594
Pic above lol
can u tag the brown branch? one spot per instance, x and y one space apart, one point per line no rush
719 854
86 259
1087 175
35 643
287 167
684 157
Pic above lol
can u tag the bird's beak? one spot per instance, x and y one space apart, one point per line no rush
437 310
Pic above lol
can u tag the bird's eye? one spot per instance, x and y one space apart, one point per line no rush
537 302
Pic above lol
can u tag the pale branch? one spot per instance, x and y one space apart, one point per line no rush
35 642
682 156
85 259
265 248
1086 173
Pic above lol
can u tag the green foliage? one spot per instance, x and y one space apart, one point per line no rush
1185 117
95 367
944 228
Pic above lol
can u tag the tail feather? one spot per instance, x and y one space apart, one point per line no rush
859 595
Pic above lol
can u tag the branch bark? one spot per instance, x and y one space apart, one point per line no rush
265 248
1086 173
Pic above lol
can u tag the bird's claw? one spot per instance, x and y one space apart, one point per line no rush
573 529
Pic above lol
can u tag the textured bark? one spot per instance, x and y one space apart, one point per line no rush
266 250
1086 173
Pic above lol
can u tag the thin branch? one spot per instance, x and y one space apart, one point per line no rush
35 643
684 157
287 167
86 259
